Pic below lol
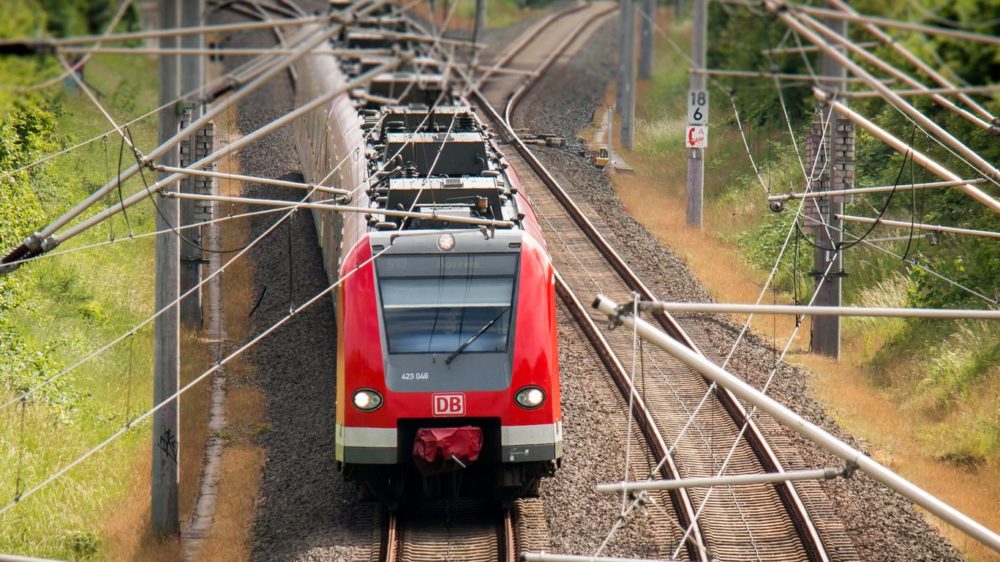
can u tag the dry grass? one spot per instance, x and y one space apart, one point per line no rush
242 465
127 529
242 458
895 439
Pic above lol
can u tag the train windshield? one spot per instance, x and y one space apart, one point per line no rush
437 303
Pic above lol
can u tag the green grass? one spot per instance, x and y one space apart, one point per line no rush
73 305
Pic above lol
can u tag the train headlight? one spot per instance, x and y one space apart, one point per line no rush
530 397
367 400
446 242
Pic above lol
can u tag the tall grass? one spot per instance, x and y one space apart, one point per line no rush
74 304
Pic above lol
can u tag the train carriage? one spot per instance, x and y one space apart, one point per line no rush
447 353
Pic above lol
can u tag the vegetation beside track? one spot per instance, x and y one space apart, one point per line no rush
58 309
926 394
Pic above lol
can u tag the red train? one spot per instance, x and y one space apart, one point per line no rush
447 353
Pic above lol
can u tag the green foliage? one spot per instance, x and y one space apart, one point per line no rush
84 545
55 311
935 367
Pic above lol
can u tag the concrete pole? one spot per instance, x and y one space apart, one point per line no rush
480 20
647 18
627 86
192 78
839 172
696 156
622 26
166 328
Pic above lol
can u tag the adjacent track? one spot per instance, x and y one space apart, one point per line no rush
765 522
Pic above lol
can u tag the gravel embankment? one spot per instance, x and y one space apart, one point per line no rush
305 511
880 524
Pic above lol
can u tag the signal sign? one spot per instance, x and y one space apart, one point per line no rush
696 137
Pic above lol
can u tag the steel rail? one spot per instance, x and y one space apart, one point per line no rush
679 499
809 535
390 536
508 538
549 61
523 41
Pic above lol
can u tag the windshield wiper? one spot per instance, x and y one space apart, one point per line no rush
473 337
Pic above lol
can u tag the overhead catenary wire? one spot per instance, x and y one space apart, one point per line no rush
749 416
228 149
803 427
856 17
205 374
55 42
168 400
793 20
877 62
39 241
920 158
916 61
53 378
228 78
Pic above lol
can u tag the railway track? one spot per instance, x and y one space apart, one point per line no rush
764 522
466 530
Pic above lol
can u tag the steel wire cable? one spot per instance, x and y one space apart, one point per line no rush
291 209
133 121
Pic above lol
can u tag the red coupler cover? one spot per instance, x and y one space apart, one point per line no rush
440 449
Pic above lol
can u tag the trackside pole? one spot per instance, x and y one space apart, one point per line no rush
834 144
798 424
164 513
192 79
696 155
626 62
646 18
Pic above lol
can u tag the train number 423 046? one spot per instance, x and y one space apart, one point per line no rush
415 376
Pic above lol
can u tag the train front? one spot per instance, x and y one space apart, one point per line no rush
450 365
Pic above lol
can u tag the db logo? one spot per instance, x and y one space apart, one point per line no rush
448 404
